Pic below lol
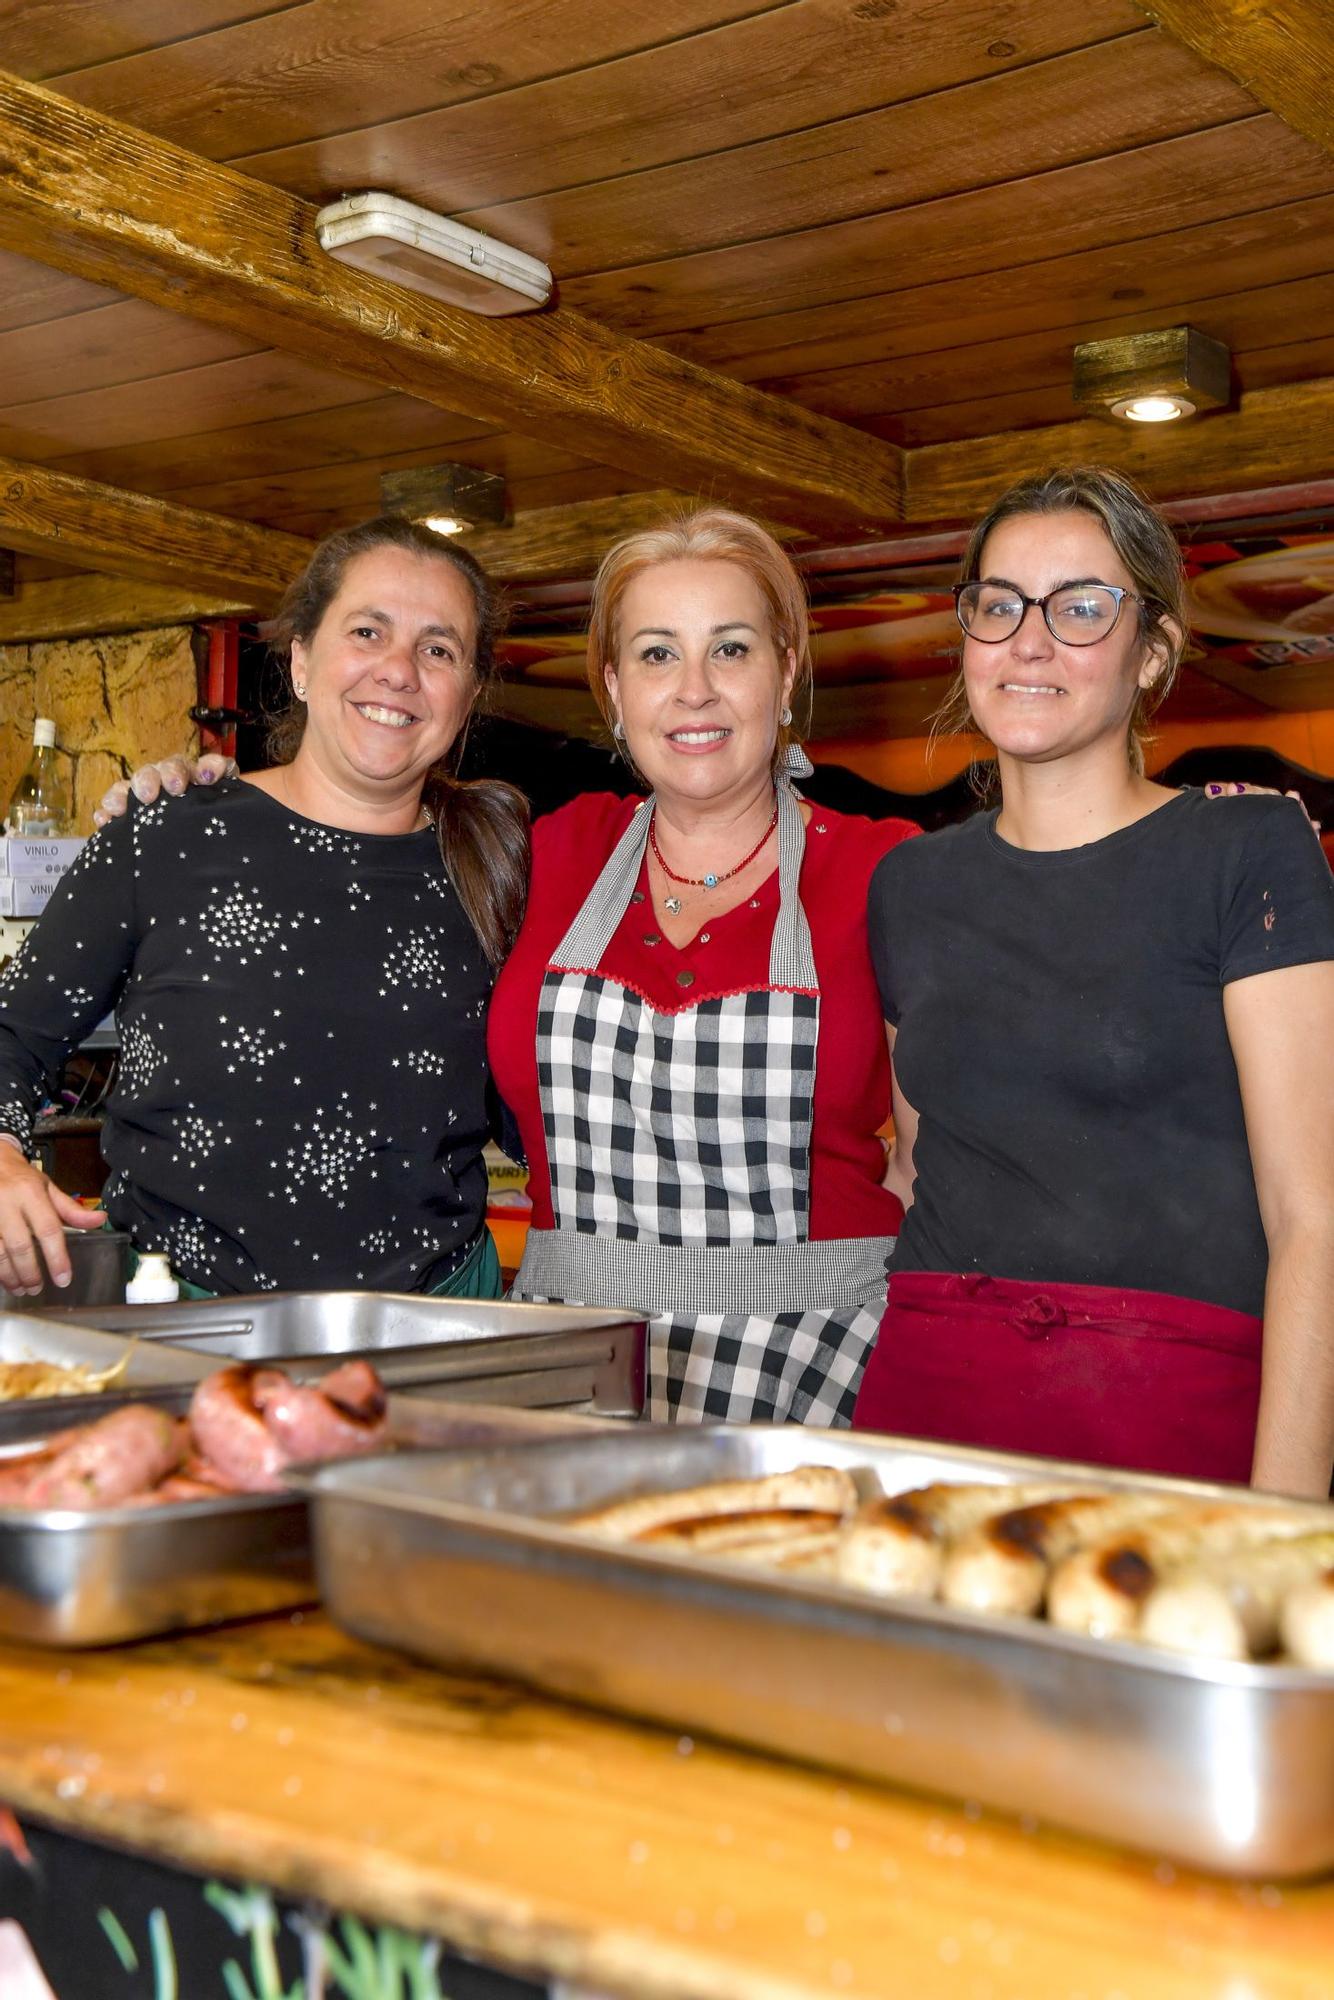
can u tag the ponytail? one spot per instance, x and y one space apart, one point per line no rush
482 826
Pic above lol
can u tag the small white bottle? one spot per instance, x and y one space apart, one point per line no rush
152 1283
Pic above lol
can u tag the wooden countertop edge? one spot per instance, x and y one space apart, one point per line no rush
546 1839
524 1942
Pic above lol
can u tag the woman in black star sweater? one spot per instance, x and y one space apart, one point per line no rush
300 964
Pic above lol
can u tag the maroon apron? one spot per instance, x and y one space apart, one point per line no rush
1134 1379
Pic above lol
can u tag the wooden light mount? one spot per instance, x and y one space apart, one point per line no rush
447 492
1125 377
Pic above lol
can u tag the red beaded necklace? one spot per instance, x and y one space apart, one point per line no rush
708 881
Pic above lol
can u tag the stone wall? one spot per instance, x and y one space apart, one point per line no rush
116 702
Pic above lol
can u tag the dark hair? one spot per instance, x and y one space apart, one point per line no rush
1145 544
482 824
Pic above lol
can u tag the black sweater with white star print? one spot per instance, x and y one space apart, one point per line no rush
301 1101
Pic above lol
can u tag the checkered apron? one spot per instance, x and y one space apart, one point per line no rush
679 1148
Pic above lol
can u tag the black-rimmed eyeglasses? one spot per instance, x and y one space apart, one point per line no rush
1078 614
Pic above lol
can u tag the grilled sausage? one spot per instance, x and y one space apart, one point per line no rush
1003 1565
1306 1622
1227 1607
356 1388
1102 1589
897 1546
122 1454
820 1489
309 1421
231 1433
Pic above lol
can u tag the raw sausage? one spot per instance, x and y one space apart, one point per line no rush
118 1456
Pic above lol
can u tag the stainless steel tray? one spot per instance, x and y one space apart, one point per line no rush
70 1579
456 1558
563 1357
39 1337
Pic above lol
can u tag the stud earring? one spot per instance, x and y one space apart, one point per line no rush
299 690
784 715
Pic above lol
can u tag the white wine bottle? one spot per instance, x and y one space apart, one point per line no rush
40 806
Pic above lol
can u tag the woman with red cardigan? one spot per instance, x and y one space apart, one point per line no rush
688 1029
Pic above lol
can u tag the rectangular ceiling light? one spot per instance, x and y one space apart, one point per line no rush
407 245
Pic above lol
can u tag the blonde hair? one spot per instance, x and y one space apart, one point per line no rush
710 535
1144 543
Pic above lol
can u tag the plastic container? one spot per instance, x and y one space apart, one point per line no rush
152 1283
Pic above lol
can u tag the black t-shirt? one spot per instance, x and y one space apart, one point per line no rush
1060 1032
301 1093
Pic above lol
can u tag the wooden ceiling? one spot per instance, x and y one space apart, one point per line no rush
825 258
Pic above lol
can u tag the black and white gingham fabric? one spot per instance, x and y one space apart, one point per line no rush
691 1127
693 1130
802 1368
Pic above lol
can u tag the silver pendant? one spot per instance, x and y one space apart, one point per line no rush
672 904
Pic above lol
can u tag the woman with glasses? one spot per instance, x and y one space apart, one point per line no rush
1111 1010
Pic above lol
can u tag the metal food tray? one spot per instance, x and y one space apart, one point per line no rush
97 1579
551 1357
26 1336
457 1558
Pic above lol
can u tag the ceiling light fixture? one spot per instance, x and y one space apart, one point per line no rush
396 240
448 498
1152 409
1153 378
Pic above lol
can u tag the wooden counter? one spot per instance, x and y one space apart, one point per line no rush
544 1839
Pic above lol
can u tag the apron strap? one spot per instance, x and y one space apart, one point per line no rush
791 954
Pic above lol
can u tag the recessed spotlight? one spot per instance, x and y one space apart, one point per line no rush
1157 377
1153 409
449 498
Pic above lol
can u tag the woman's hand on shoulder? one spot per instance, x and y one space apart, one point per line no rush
1259 792
172 775
34 1213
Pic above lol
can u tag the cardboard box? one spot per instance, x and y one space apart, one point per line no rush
27 860
26 898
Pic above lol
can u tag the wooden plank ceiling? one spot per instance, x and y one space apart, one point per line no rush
895 216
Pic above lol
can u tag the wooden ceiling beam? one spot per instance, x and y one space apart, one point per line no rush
108 203
181 564
557 543
129 534
1275 437
80 607
1282 51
